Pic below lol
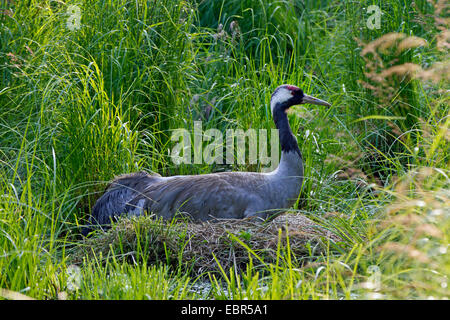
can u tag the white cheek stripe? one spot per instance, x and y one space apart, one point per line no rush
282 95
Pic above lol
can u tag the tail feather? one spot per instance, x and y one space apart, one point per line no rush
118 194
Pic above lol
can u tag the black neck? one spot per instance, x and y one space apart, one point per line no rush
287 139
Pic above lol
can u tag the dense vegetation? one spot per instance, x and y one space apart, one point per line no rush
81 103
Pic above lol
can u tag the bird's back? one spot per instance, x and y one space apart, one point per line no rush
202 197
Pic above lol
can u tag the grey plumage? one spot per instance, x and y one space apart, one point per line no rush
117 195
217 195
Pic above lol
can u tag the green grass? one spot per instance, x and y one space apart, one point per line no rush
80 106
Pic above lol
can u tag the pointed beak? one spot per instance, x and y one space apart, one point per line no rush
313 100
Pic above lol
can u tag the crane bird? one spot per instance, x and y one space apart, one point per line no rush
225 195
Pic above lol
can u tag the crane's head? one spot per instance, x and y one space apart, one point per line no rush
286 96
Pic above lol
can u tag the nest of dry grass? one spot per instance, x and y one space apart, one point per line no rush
201 246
